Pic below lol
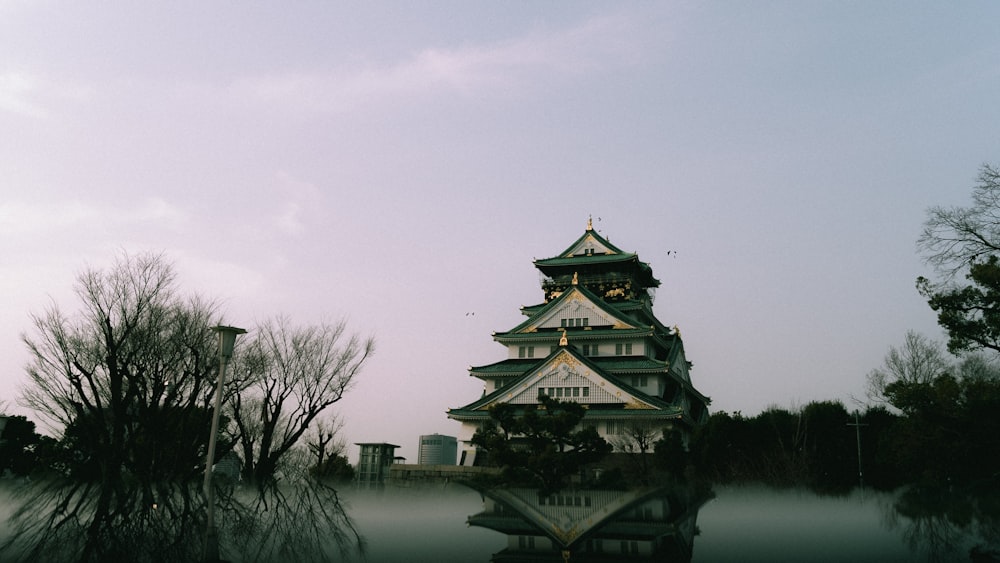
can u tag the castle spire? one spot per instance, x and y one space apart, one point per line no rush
590 223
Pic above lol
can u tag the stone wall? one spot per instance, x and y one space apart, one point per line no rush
402 475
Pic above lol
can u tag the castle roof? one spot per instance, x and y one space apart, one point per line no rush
592 252
565 367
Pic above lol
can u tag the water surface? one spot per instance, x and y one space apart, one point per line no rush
445 523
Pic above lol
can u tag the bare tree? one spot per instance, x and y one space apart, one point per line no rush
918 360
325 441
955 237
129 377
979 366
287 376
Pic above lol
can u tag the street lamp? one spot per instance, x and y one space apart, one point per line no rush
227 339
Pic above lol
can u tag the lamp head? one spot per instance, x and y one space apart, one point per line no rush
227 339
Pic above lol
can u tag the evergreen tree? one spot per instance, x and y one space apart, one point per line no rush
543 442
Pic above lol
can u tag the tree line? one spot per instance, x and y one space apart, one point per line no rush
930 415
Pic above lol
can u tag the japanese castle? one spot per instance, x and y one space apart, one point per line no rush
595 341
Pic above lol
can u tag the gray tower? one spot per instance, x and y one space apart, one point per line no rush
436 449
373 463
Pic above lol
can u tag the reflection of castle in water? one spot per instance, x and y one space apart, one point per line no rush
593 525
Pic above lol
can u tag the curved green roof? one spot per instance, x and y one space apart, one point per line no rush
612 364
575 333
571 259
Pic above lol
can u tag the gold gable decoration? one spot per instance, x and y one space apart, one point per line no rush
566 359
637 405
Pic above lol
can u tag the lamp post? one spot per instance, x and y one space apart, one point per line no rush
857 429
227 339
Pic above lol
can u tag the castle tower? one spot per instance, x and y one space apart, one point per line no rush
593 340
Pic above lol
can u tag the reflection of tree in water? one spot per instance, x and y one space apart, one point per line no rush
166 522
949 524
301 522
76 521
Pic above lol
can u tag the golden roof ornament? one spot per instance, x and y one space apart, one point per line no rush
564 341
575 279
590 223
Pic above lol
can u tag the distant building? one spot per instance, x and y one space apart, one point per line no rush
437 449
373 463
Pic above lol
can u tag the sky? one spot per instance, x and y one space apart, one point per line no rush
399 165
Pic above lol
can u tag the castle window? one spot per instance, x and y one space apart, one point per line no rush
574 322
526 352
563 392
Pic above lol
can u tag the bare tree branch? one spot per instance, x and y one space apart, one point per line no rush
955 237
918 360
289 375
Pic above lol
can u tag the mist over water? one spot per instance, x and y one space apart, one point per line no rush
753 523
457 523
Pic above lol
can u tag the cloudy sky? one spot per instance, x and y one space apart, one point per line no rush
401 164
